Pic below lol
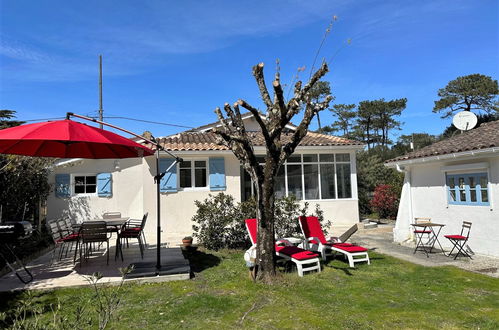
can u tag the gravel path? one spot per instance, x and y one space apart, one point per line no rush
381 240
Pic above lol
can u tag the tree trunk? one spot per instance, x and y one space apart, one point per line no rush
265 214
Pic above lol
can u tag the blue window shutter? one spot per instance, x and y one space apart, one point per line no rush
217 174
104 185
169 180
62 185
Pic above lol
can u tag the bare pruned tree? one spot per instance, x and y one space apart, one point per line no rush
272 123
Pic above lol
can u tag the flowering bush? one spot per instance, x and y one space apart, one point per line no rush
385 201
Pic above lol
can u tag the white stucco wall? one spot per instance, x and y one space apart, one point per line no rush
126 198
428 198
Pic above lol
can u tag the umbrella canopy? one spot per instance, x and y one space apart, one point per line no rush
68 139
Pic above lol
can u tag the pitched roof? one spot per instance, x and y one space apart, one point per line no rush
483 137
205 141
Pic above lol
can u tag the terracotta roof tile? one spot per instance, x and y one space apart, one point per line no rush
485 136
203 141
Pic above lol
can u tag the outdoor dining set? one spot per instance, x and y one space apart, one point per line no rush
426 234
88 236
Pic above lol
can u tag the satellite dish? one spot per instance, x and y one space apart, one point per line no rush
464 120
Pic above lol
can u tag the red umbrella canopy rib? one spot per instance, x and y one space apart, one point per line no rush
68 139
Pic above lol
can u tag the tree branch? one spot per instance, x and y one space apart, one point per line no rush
260 80
258 118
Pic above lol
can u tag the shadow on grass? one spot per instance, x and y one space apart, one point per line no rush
199 260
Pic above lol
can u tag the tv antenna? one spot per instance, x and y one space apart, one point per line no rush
464 120
101 111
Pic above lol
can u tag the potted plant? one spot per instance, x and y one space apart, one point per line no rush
187 241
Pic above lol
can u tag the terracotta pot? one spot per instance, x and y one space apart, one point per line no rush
187 242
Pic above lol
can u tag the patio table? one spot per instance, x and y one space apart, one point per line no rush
434 229
114 223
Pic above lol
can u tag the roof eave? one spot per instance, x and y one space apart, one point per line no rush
436 158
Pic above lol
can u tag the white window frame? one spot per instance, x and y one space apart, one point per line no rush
318 163
193 173
73 185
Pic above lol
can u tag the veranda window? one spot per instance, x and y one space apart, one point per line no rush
309 177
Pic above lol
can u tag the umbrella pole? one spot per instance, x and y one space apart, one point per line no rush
158 210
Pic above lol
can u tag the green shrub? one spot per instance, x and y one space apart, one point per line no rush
219 220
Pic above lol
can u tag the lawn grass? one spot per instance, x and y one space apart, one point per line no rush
389 293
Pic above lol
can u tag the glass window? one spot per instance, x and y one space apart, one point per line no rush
326 158
468 189
280 183
301 175
200 173
327 181
193 174
343 175
310 158
294 159
85 184
185 175
342 157
311 176
294 181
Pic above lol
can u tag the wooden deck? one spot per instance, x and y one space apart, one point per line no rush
50 273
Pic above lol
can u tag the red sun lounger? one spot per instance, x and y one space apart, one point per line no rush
304 260
316 241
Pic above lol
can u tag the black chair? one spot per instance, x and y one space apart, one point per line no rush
460 240
133 228
92 232
63 236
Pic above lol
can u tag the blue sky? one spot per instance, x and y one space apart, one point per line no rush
175 61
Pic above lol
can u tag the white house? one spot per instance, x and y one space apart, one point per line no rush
452 181
321 171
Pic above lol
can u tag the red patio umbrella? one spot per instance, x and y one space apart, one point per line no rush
70 139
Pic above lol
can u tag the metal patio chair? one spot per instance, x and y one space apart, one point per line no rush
92 232
133 228
460 240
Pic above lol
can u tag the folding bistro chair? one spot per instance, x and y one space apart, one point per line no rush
422 233
460 240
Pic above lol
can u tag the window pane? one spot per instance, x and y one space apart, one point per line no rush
451 183
200 177
462 195
452 195
309 158
91 180
343 174
327 181
311 176
485 197
280 184
326 157
246 188
473 195
185 177
294 159
294 181
472 182
342 157
79 180
200 163
483 182
91 189
79 189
